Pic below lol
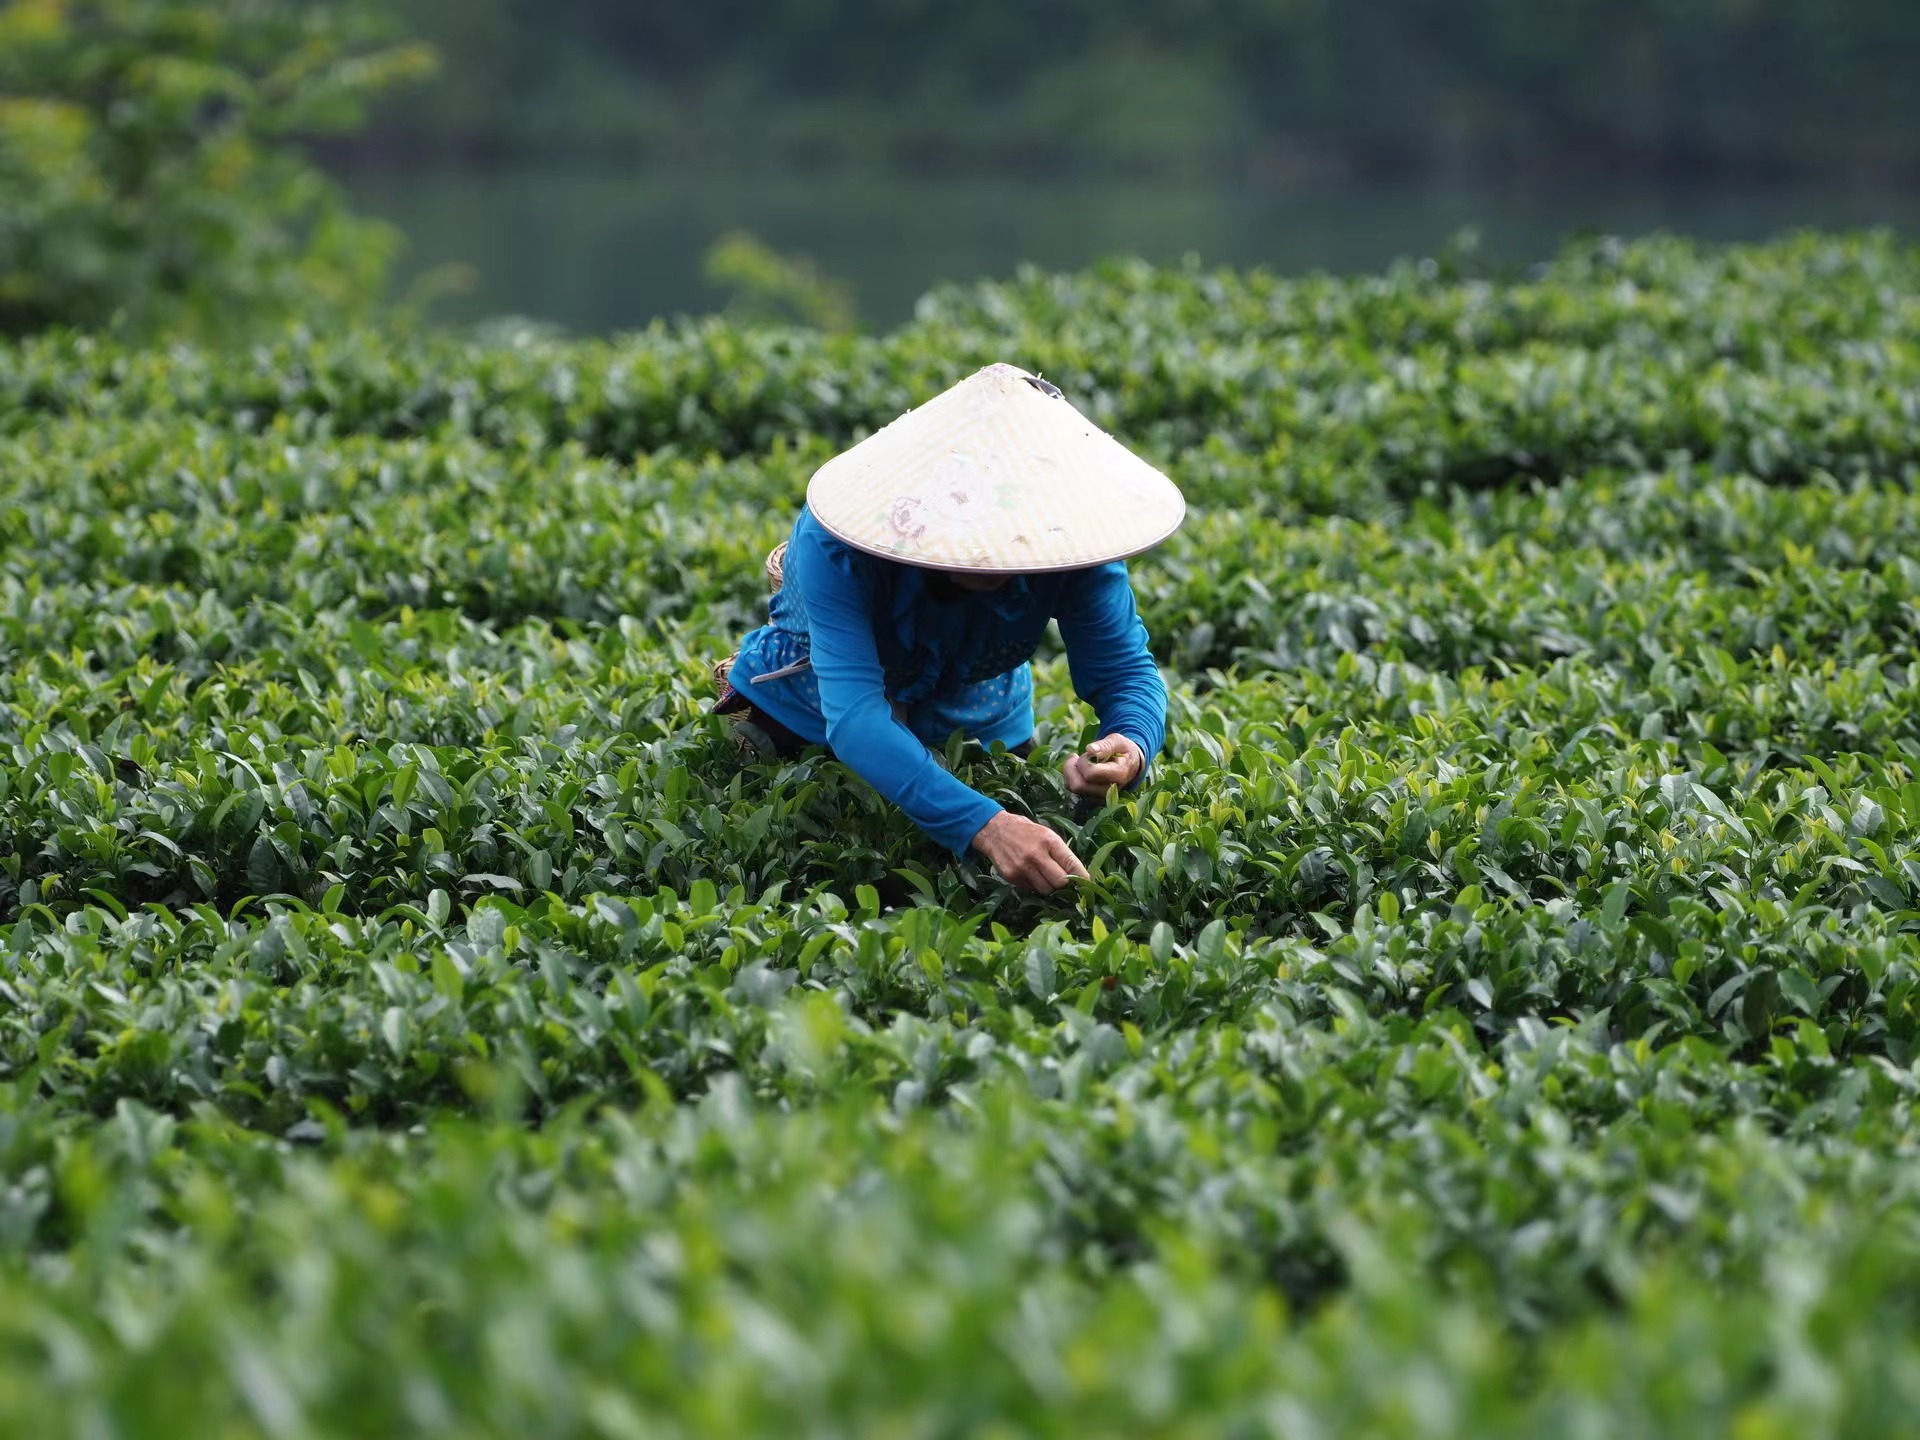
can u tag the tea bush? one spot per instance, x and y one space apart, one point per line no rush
1499 1016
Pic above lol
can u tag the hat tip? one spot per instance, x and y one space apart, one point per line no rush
1006 373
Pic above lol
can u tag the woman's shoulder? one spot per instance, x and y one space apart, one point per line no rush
808 531
1096 578
809 537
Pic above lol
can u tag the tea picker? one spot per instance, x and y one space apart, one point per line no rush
915 586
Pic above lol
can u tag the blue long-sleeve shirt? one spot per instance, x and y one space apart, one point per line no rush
884 661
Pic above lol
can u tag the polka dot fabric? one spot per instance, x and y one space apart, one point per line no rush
954 659
908 649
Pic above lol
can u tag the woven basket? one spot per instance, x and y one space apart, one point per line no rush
776 575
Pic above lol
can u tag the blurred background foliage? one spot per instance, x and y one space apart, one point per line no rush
1232 87
149 175
179 166
770 288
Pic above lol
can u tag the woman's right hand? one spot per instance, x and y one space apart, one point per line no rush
1027 854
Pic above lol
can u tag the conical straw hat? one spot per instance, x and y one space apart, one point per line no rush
1000 473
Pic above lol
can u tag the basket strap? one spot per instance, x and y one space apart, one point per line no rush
782 673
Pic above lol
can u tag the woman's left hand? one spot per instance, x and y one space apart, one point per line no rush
1111 760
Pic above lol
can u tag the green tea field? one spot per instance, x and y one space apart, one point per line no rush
1498 1017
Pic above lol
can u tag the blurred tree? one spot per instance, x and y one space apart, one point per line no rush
149 172
1669 86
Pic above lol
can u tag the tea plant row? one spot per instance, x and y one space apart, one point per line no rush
1499 1015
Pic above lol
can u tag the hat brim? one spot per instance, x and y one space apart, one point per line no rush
999 474
990 568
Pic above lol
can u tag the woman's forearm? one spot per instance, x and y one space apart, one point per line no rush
1113 669
884 753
